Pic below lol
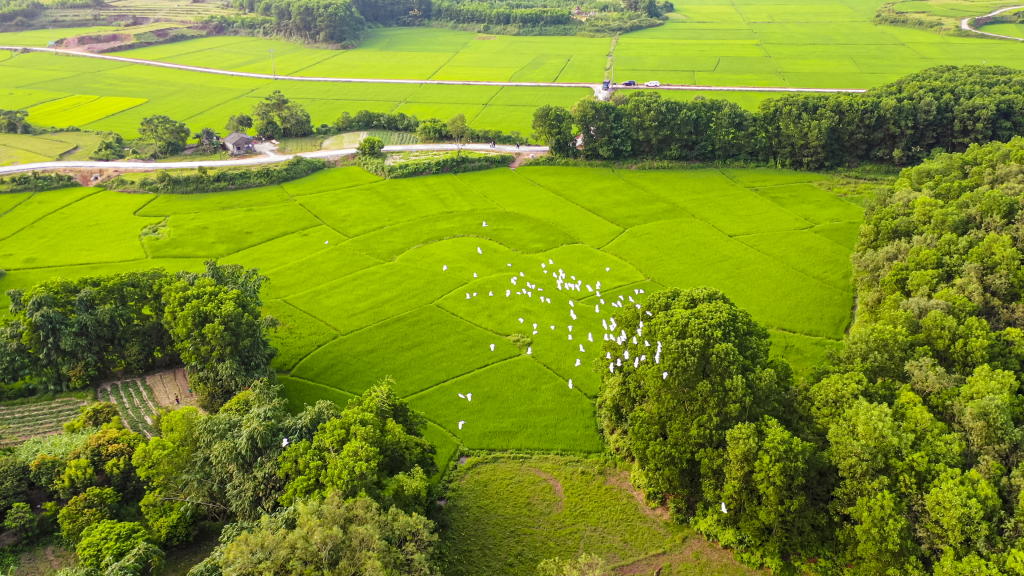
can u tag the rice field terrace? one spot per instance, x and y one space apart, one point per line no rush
19 423
484 295
135 401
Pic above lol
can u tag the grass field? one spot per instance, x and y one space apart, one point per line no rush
505 514
401 278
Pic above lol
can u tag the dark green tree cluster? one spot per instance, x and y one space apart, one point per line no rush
904 452
11 10
278 117
500 13
13 122
330 21
169 136
353 484
941 109
205 181
369 120
65 334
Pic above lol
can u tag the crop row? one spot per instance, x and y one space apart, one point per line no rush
134 406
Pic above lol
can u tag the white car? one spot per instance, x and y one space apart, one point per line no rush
653 84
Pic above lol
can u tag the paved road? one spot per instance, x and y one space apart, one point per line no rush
595 87
966 23
255 161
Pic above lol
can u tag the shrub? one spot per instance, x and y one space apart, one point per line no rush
13 481
92 416
370 146
169 183
92 506
37 182
21 519
107 542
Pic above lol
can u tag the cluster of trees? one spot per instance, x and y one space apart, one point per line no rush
941 109
13 122
12 10
533 17
328 21
67 334
903 453
321 491
454 129
504 13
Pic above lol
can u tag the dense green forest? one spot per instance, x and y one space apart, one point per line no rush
344 21
946 108
902 454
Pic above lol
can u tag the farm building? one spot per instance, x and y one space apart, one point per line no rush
238 143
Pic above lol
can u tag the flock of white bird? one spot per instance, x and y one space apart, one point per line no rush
524 287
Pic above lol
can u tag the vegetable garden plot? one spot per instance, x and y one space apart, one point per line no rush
19 423
134 401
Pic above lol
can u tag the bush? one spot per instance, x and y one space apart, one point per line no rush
440 165
168 183
107 542
21 519
37 182
92 506
370 147
111 147
92 416
13 482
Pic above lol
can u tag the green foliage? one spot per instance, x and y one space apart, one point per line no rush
82 511
107 542
457 128
13 122
21 519
899 123
336 21
14 476
215 321
208 140
369 120
111 147
116 328
670 414
77 476
336 535
172 183
239 123
37 181
277 117
370 147
450 163
375 448
553 126
169 136
93 416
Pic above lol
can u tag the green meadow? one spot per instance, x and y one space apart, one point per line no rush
481 294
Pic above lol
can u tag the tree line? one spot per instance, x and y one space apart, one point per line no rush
904 452
70 334
946 108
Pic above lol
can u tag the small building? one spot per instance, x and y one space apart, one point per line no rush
238 143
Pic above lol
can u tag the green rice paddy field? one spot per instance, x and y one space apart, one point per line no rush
799 43
401 278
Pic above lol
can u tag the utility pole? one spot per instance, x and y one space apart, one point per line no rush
272 67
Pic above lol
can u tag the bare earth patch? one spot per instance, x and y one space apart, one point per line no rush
621 480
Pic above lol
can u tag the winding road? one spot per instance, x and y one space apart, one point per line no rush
965 24
252 161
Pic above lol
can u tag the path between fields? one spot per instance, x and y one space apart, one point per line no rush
595 87
129 165
966 23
